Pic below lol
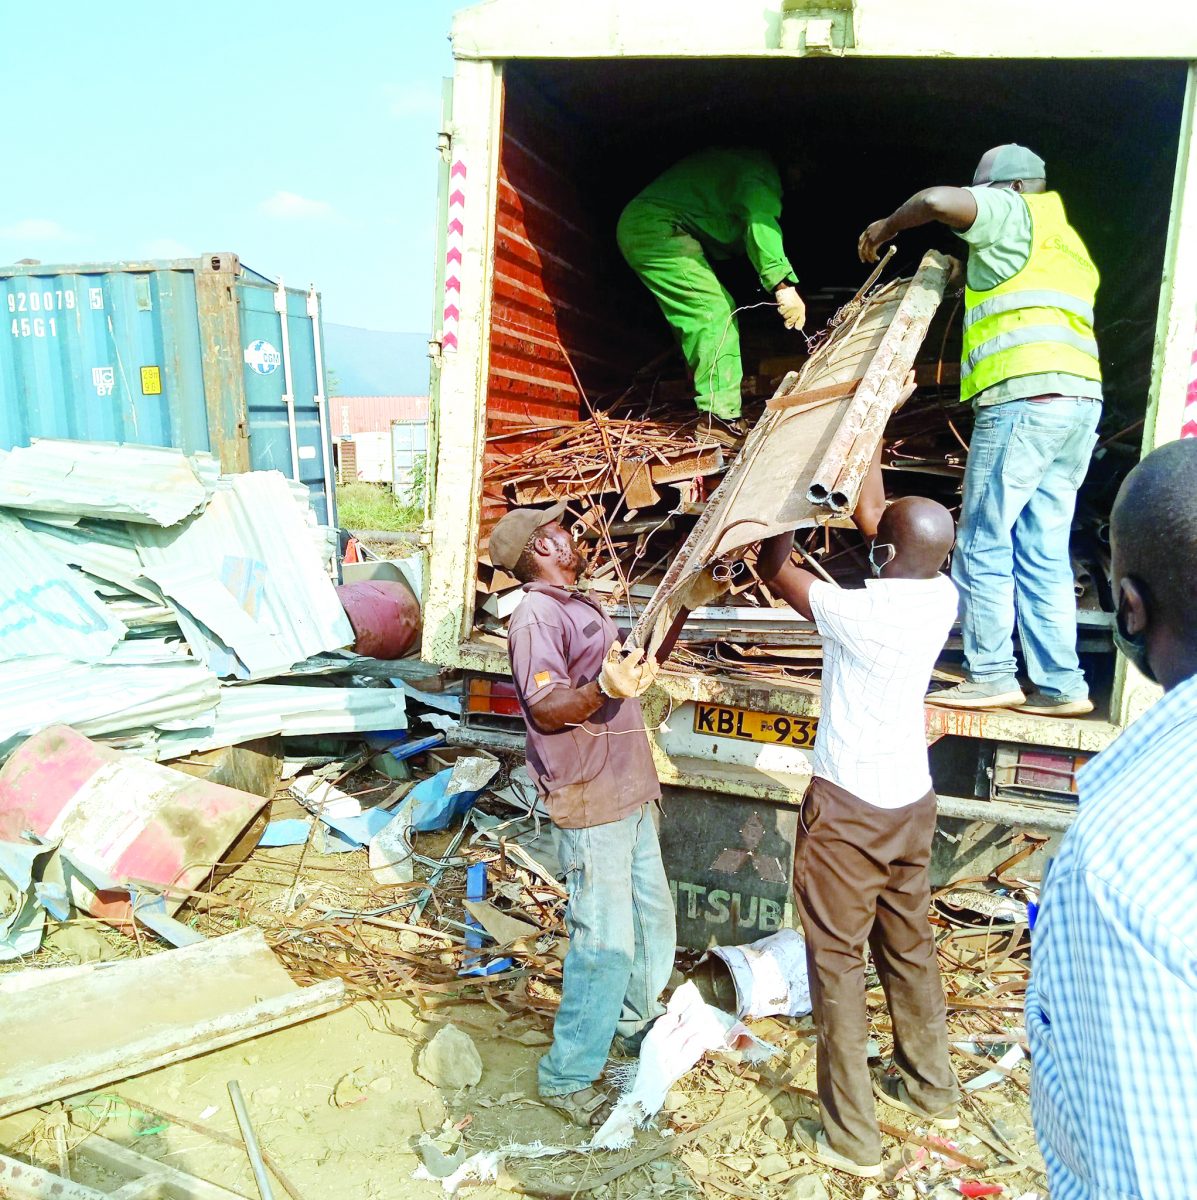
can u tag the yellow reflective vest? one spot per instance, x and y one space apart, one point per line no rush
1040 319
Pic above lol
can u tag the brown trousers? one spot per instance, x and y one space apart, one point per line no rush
860 876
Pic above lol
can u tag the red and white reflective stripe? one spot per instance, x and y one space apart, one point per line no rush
1188 420
454 245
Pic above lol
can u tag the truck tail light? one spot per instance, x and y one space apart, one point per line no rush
492 696
1036 772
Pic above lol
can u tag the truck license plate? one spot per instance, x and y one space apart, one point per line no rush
744 725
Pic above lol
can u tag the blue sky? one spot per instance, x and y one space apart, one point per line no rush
299 135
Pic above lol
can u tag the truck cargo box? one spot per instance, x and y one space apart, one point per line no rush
558 120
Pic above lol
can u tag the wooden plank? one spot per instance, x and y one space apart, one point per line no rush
55 1041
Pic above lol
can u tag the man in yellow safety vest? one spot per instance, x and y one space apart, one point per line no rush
1030 367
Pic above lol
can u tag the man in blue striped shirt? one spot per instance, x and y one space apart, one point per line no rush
1112 1008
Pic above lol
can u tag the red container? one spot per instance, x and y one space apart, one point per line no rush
385 616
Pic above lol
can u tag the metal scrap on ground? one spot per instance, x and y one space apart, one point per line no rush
142 577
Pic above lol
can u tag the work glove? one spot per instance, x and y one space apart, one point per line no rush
626 675
791 307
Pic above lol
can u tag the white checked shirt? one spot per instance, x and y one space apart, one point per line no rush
879 645
1112 1007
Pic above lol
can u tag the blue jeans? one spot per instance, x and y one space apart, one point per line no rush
622 938
1025 464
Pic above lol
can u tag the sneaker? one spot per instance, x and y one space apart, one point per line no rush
812 1141
891 1090
1054 706
978 695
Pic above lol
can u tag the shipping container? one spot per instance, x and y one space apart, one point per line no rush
558 115
200 354
409 450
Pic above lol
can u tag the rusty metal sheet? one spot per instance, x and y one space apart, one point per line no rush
768 488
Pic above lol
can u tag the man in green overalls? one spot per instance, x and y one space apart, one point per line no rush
1030 368
714 204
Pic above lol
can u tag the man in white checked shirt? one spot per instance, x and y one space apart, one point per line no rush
1112 1007
860 871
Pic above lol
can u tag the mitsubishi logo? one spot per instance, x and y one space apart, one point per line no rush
767 866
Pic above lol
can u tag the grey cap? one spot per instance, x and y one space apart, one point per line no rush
1004 163
515 529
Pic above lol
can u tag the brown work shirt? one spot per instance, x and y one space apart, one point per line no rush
601 770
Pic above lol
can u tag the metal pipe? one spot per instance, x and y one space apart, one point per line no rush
322 405
261 1178
280 307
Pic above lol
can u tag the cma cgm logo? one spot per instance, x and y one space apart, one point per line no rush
262 358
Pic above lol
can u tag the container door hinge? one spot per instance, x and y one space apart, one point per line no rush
818 26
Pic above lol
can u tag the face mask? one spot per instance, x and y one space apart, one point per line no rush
878 567
1133 645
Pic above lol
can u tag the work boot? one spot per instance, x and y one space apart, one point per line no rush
1055 706
812 1141
737 427
978 695
891 1090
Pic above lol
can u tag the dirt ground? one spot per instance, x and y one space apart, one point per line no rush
338 1105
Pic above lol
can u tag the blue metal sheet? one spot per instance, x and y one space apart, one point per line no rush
138 352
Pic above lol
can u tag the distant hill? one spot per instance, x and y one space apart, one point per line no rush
369 362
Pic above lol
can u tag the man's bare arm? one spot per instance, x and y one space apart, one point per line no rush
791 583
951 206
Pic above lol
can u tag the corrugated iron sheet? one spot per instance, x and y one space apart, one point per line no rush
264 709
374 414
143 484
46 605
255 540
144 685
103 549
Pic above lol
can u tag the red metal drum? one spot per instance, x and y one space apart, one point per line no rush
385 616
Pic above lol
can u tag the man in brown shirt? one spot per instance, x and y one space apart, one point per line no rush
589 756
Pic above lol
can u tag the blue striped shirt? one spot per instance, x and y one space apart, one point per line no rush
1112 1007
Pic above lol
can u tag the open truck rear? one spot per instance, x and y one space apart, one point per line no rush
557 115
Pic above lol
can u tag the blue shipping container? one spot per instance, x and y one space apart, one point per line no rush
192 353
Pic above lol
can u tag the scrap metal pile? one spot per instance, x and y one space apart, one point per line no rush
155 603
402 869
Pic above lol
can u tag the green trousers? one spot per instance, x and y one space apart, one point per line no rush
674 268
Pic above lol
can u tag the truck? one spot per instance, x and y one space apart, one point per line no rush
556 115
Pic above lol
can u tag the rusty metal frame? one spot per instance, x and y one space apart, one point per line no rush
770 487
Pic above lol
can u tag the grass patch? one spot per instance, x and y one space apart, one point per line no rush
374 506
